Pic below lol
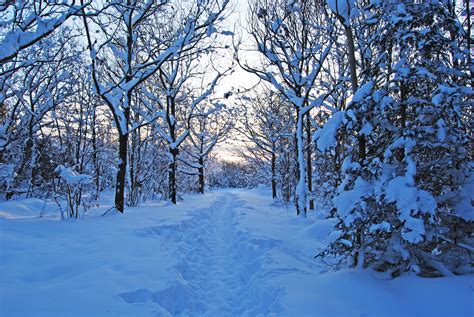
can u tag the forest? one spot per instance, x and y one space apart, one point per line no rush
351 120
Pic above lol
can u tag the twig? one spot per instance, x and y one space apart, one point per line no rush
108 211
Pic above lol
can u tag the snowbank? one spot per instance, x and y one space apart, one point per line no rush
228 253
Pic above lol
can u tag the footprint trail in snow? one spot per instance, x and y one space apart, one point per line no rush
220 268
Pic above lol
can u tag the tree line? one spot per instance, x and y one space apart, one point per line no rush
110 94
366 111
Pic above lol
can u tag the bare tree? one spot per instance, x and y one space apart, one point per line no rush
266 123
294 39
29 95
208 127
25 23
127 31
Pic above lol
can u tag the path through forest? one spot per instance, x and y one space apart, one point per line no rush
220 268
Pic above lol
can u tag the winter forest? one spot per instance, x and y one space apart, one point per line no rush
236 158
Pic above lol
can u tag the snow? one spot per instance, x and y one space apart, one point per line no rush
17 39
71 177
347 200
301 190
437 99
383 226
342 8
410 201
406 142
464 207
441 130
363 92
326 136
366 129
24 209
228 253
401 190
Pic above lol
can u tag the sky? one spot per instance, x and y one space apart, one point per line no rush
239 80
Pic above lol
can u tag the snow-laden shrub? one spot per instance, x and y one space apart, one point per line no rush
74 185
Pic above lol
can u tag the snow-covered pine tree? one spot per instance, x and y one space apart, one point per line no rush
399 208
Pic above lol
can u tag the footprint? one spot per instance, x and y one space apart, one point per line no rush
141 295
219 270
177 299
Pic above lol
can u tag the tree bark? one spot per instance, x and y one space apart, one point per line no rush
274 182
400 154
309 165
352 60
171 117
469 39
121 173
134 167
300 194
172 175
355 86
95 159
123 135
360 138
25 161
201 175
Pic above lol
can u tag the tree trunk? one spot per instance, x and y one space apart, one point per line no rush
274 182
131 172
309 165
121 173
172 175
469 39
355 85
25 162
400 154
201 175
300 194
360 138
95 159
352 60
34 172
171 118
134 167
123 135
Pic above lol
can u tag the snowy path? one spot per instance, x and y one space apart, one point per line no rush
232 252
220 268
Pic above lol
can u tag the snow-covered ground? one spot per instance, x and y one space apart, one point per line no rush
228 253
